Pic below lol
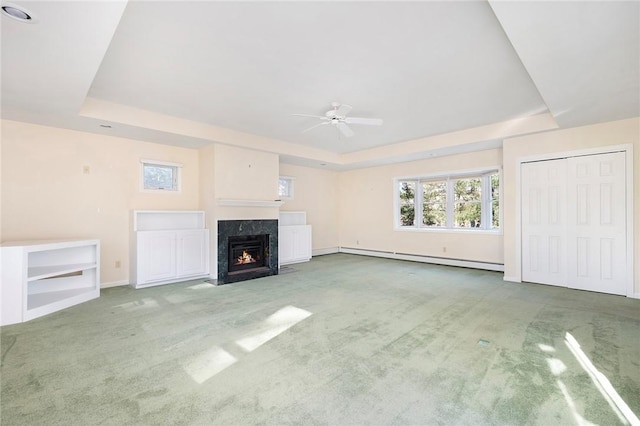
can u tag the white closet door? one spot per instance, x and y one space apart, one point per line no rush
544 223
597 223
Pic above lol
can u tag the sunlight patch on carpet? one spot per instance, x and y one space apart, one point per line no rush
276 324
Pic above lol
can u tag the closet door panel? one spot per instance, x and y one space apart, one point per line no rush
596 232
544 222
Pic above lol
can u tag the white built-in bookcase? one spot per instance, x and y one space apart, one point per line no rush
41 277
294 238
168 246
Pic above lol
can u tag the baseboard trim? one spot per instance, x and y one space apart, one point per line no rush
425 259
512 279
114 284
323 251
635 296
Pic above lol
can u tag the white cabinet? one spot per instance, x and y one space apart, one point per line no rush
294 244
156 256
168 246
294 238
41 277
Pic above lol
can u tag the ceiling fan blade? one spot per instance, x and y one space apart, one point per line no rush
368 121
314 126
343 110
344 129
309 115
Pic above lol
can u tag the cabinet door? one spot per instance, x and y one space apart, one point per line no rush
302 243
193 253
294 244
286 246
156 256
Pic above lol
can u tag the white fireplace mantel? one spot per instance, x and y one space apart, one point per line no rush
249 203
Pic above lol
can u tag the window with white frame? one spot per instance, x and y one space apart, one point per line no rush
160 176
456 201
285 187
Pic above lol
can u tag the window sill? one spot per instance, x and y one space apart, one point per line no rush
161 191
450 230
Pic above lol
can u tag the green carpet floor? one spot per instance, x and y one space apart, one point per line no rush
342 340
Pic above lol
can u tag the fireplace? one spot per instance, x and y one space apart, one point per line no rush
247 249
247 253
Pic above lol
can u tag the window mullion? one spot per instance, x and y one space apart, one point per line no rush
449 203
485 208
418 208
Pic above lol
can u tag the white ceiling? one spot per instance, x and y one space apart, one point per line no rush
193 73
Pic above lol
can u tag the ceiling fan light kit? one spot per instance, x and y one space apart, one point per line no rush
337 116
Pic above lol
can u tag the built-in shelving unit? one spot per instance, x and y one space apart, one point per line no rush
41 277
294 238
168 246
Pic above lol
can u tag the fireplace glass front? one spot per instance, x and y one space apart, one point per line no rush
247 253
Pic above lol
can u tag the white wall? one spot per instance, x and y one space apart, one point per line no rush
562 141
316 193
366 203
232 173
46 193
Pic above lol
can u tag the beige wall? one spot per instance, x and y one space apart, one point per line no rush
563 141
1 137
366 217
47 195
232 173
245 174
316 193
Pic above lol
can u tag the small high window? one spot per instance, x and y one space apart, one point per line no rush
285 187
160 176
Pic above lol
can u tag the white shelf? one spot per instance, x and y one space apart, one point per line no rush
42 272
158 220
249 203
289 218
41 277
40 300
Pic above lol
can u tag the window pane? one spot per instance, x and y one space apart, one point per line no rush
285 188
466 215
434 198
495 214
467 205
159 177
495 186
495 201
407 203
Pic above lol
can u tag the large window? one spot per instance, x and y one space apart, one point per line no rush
465 201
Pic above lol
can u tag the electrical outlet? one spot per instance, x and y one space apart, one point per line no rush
117 263
86 170
444 249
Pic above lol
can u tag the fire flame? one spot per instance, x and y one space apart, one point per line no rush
245 258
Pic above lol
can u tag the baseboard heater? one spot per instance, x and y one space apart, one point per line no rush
425 259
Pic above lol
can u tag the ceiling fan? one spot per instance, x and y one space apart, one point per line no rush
337 116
